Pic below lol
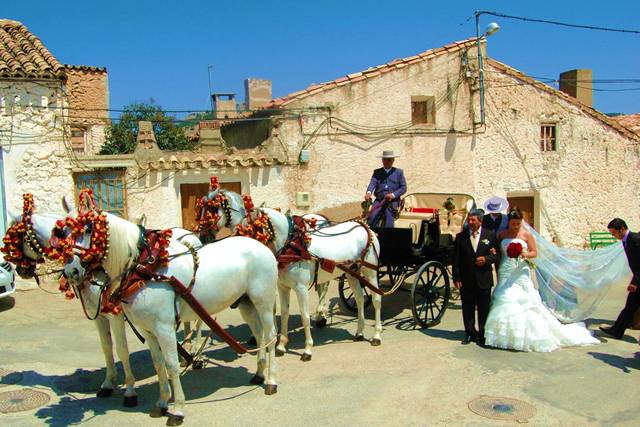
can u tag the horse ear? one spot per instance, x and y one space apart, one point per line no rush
213 193
88 200
65 205
288 212
143 220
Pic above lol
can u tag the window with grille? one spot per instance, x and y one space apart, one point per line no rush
109 189
548 137
78 140
423 110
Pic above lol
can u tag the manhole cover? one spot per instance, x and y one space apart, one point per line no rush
502 408
22 400
8 377
80 382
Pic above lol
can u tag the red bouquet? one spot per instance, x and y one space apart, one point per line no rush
514 250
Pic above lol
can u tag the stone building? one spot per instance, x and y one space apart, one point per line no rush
568 166
50 114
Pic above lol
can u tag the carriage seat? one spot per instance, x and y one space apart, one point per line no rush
413 217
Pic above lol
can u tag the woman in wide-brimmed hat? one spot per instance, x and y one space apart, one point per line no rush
495 220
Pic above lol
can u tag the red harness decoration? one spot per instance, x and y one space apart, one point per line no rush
296 247
19 234
258 225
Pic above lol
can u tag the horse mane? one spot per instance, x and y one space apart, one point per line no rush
123 247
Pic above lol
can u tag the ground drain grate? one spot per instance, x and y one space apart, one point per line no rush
502 408
8 377
22 400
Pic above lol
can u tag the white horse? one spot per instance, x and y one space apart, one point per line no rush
233 269
344 242
106 324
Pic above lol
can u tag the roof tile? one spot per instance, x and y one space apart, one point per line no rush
22 54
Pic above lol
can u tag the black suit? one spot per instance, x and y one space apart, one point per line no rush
476 281
492 224
632 249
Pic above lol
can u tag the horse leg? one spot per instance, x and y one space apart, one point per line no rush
167 339
111 376
267 320
122 348
250 316
303 301
162 405
320 315
285 296
358 294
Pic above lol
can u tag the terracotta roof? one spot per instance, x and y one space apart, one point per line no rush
193 161
22 54
609 121
86 68
630 121
370 73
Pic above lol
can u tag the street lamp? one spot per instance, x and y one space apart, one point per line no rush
492 28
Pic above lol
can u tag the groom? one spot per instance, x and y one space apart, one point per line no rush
475 250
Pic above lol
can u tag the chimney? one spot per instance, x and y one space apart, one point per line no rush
257 92
224 105
578 83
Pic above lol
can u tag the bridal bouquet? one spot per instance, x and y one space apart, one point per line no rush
516 250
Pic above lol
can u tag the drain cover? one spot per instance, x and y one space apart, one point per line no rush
502 408
8 377
22 400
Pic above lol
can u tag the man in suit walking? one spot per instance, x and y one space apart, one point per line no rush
387 185
495 221
475 251
631 243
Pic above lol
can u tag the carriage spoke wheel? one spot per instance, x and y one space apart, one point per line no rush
347 298
395 274
430 294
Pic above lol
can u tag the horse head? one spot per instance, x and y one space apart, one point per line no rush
27 238
220 208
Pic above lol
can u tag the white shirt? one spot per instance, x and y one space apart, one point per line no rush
475 240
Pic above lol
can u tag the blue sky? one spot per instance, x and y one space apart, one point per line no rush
161 50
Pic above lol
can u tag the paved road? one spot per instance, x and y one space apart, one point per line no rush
417 377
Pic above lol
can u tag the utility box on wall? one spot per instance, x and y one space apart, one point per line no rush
303 200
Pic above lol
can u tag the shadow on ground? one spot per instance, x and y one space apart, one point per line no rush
625 364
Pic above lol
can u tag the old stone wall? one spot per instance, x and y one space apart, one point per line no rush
35 156
88 96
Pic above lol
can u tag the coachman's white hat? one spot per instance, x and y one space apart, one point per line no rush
496 205
388 154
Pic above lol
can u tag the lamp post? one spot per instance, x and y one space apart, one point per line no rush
492 28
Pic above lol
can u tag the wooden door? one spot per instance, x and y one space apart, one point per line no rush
527 207
190 193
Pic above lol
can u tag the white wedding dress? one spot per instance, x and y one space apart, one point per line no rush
519 320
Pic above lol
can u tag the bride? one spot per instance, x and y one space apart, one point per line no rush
518 318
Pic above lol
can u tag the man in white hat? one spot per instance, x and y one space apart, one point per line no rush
495 220
387 186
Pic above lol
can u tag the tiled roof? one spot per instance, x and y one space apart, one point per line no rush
630 121
609 121
22 55
86 68
194 161
370 73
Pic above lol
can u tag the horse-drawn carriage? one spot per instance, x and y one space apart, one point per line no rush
419 247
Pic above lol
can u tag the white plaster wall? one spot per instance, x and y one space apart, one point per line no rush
35 156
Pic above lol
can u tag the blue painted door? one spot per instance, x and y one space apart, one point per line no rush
109 189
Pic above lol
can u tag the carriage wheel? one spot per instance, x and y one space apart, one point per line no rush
430 294
347 298
394 273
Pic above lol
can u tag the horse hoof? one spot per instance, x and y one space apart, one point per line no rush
305 357
104 392
257 380
358 338
279 353
198 364
175 420
252 341
321 323
157 412
270 389
375 342
130 401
